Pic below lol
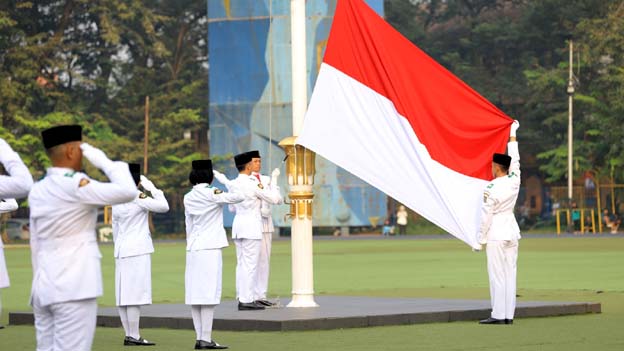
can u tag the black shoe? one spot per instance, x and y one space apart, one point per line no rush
508 321
492 321
249 306
264 302
1 326
130 341
208 345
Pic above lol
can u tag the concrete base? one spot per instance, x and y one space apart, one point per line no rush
335 312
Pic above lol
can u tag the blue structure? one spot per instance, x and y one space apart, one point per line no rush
250 100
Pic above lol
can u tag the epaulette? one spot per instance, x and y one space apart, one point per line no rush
218 191
260 186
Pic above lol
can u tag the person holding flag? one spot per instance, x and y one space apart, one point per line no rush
500 232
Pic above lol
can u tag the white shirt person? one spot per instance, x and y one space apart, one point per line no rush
67 276
205 238
133 249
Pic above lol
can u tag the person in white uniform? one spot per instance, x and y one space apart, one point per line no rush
15 184
264 259
133 249
8 205
67 276
500 232
247 225
205 238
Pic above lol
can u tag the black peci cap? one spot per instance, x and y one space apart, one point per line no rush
205 165
135 170
502 159
253 154
242 159
60 135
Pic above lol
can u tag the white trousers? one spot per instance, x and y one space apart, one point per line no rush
264 265
247 253
502 256
65 326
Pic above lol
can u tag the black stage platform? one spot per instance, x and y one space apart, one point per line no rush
335 312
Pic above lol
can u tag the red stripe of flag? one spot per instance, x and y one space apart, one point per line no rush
459 127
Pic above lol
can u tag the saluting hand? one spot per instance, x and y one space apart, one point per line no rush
147 184
96 156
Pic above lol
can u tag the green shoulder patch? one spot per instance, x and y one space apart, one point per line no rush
218 191
70 174
490 186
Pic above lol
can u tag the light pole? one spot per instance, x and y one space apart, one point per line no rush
570 91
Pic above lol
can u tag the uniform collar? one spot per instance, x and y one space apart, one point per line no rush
201 185
59 170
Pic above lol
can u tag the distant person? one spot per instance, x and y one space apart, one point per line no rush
402 219
387 228
133 250
611 221
500 232
576 218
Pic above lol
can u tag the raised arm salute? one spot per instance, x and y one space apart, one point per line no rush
18 182
500 232
67 275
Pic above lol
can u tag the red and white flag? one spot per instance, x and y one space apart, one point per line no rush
388 113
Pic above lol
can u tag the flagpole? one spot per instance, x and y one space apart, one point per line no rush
300 168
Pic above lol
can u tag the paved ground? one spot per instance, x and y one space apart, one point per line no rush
334 312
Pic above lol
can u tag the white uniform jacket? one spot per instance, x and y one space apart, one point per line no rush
63 215
248 219
499 199
266 209
19 181
131 223
203 211
7 205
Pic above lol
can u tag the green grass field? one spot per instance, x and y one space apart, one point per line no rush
564 269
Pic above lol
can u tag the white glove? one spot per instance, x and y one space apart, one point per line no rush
276 172
5 150
514 127
147 184
96 156
220 177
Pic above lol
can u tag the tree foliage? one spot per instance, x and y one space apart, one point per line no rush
93 63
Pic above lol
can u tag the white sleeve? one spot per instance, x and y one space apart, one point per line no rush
8 205
157 204
487 212
121 188
19 181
